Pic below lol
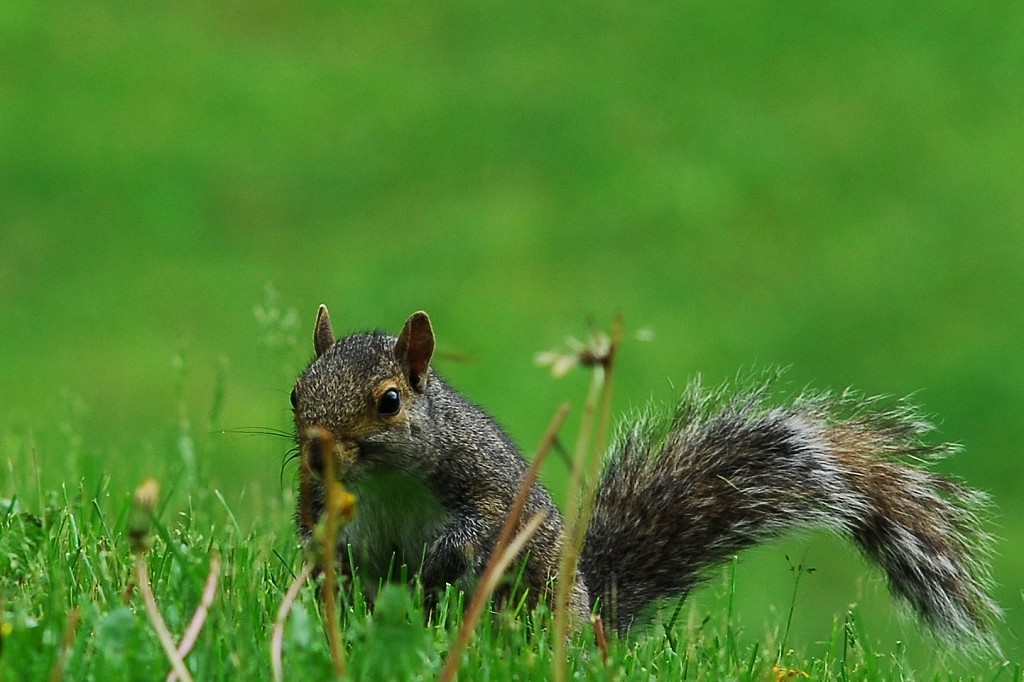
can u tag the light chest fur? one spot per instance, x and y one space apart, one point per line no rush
397 519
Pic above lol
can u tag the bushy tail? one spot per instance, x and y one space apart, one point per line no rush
679 495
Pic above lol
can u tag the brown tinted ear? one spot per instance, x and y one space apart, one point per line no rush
323 335
414 347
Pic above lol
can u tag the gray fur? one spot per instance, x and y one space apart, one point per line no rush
679 493
443 466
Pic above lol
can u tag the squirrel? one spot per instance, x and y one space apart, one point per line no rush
435 475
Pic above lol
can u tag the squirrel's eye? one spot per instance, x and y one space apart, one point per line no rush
295 399
389 403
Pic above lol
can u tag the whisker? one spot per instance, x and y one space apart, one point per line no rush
293 454
258 431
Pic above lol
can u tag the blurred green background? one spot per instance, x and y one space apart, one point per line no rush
831 187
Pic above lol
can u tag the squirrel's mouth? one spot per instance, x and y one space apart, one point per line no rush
325 456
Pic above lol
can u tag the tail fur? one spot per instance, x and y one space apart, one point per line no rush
680 495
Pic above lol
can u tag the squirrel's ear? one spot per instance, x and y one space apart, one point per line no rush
414 347
323 335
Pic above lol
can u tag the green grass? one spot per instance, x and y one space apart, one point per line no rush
71 604
73 557
831 187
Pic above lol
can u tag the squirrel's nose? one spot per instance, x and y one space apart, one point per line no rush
316 443
315 459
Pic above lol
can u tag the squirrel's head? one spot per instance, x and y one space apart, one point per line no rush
366 390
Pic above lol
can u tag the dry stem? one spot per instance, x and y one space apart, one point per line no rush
500 556
74 618
582 488
277 638
516 510
486 588
195 626
322 439
159 626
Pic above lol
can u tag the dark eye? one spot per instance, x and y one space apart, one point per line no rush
295 399
389 403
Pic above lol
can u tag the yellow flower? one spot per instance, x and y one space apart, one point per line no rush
141 516
782 673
